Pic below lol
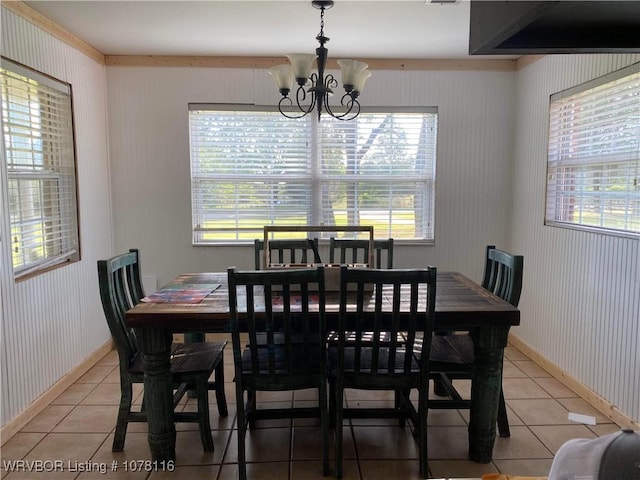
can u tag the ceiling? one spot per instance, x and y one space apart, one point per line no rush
369 29
413 29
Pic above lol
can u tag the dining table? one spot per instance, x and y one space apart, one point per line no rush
198 302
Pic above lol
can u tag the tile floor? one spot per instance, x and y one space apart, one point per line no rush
76 431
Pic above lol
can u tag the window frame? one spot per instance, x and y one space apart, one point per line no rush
315 177
47 170
561 172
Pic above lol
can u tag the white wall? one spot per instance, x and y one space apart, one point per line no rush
52 322
581 295
150 160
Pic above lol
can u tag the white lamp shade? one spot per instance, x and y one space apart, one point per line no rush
283 76
350 70
301 63
361 79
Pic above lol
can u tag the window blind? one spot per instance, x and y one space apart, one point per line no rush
39 159
593 169
252 167
379 169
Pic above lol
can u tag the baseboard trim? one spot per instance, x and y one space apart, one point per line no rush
14 426
599 403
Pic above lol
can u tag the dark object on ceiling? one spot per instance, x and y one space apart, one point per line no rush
531 27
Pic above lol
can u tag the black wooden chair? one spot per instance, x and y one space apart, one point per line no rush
191 365
364 361
286 348
349 250
452 354
297 250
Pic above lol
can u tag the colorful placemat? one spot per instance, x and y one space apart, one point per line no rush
182 293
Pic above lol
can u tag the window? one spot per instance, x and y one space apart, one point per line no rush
252 167
593 170
39 159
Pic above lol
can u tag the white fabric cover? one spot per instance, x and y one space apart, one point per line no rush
580 459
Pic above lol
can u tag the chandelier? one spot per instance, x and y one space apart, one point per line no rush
316 85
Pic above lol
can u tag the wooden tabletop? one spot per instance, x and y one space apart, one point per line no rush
460 304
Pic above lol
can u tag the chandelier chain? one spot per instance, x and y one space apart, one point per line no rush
321 34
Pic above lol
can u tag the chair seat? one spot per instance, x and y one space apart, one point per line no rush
280 339
384 337
194 358
366 360
302 360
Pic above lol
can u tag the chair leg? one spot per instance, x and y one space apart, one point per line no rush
242 432
332 402
422 431
250 408
221 398
324 426
126 397
398 395
202 392
339 414
439 387
503 420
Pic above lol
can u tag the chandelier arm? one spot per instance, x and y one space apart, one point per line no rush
302 96
311 105
352 105
354 112
285 101
288 102
330 82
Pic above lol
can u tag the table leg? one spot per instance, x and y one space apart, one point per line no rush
489 343
155 345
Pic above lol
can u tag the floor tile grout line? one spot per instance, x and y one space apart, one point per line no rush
227 445
355 448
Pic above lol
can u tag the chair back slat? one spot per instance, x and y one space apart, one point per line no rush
503 274
377 355
279 307
349 250
121 289
302 250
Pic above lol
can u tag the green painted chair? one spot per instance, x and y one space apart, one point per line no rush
286 348
452 355
191 365
359 360
348 250
297 250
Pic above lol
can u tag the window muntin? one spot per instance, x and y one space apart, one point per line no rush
593 168
39 158
252 167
